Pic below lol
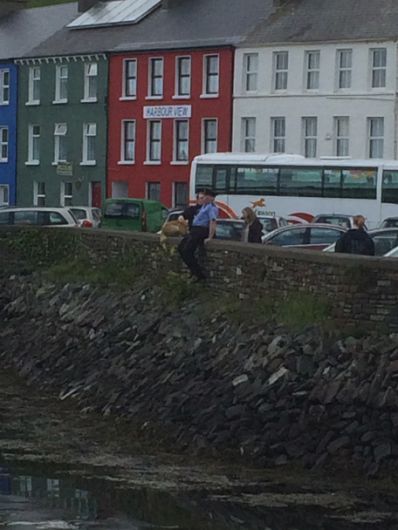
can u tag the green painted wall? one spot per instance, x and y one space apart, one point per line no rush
74 113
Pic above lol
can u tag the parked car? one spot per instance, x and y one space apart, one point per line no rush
390 222
134 214
174 214
346 221
38 216
308 236
87 216
271 222
230 229
385 239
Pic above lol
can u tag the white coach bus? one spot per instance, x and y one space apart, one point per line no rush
298 188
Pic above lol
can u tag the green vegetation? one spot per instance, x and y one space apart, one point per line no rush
114 272
42 3
176 289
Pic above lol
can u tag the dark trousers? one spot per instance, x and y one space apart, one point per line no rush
189 245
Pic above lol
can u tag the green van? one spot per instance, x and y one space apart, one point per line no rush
133 214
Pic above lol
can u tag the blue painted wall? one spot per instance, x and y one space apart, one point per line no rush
8 117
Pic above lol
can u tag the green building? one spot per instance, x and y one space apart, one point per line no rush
62 129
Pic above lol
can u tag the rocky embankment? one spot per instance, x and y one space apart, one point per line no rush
254 391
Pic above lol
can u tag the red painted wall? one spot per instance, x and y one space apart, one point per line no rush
220 107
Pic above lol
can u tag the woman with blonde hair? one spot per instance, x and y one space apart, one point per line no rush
253 226
356 240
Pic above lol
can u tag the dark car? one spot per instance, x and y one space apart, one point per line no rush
307 236
390 222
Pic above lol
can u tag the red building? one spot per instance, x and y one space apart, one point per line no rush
166 107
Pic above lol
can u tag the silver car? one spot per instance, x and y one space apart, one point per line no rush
87 216
38 216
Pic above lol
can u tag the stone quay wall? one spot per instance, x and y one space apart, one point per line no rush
360 291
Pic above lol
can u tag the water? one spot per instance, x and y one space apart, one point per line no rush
39 502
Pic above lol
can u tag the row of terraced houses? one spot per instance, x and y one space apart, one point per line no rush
115 98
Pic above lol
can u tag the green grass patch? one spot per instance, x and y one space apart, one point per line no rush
116 273
42 3
176 289
303 309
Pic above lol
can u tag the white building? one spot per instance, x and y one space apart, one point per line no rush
331 92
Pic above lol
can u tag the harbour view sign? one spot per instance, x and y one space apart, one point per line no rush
167 111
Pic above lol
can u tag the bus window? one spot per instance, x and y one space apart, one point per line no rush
332 183
220 180
359 183
390 187
256 180
301 181
204 177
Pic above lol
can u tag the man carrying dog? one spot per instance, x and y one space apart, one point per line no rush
190 212
203 230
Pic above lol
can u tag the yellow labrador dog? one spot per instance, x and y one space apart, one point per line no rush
176 228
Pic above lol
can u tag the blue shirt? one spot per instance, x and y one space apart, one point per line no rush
206 214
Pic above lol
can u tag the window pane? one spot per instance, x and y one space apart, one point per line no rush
180 194
324 235
390 187
290 237
204 177
359 183
332 183
254 180
304 182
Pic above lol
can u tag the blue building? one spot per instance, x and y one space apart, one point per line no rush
20 31
8 132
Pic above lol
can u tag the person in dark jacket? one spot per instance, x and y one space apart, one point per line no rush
356 240
190 212
253 226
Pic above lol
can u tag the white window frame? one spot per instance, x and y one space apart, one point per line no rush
4 194
4 143
343 71
59 79
34 79
60 132
378 69
123 159
205 140
37 196
89 131
125 94
339 138
372 138
248 139
152 77
5 86
312 72
250 72
66 198
90 73
277 138
177 140
309 138
206 76
178 76
278 73
32 139
149 159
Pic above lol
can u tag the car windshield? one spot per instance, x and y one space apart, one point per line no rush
229 230
79 213
334 220
392 222
269 223
120 209
385 241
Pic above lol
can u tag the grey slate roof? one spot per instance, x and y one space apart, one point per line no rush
189 23
303 21
24 29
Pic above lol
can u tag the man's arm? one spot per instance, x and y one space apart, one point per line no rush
212 230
